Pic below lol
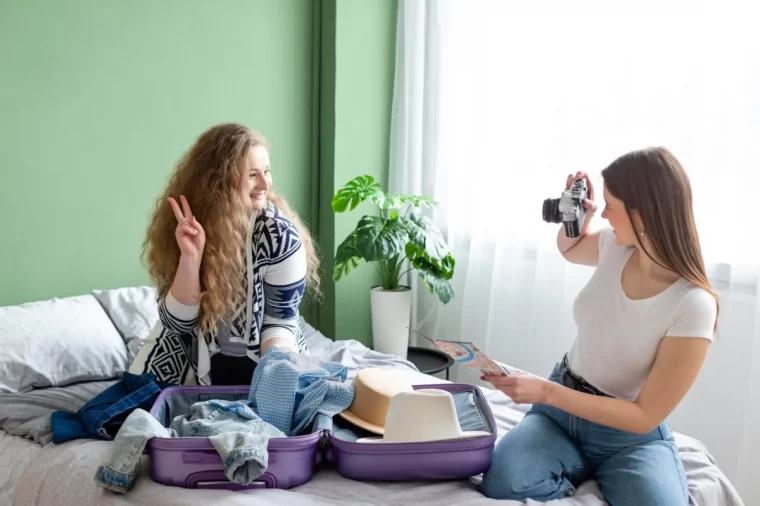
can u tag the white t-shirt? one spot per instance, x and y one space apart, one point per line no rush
618 337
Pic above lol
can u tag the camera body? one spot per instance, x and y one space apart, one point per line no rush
568 209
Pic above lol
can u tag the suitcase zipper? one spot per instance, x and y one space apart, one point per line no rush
324 440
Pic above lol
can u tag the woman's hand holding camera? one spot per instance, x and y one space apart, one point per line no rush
589 205
588 255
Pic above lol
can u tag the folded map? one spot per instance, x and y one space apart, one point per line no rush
469 354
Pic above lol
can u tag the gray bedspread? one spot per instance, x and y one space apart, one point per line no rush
63 474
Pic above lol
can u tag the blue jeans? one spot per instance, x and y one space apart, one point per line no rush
550 452
102 416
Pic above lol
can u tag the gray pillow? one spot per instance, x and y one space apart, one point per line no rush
134 312
57 342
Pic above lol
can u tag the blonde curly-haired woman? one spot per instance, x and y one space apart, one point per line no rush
231 262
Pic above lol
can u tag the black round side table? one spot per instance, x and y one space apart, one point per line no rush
428 360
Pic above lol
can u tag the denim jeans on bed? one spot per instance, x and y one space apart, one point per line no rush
550 452
102 416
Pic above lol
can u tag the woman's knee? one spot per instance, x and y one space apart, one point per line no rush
523 467
651 491
510 471
648 475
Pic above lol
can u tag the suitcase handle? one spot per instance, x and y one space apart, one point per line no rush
217 480
211 457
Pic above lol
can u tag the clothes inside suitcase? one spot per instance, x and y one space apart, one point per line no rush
194 463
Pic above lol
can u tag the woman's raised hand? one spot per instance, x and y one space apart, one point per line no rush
589 204
190 235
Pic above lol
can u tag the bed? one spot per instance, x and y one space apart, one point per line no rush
35 472
16 454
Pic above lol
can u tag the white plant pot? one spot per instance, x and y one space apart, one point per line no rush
391 314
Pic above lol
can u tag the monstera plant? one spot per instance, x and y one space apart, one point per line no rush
397 240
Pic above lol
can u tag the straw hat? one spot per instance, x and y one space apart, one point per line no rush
373 390
422 415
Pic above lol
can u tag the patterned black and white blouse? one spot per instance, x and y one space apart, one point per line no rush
177 351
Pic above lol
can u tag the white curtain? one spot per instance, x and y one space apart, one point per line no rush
496 102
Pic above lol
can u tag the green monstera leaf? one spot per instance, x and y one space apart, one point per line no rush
428 241
399 200
440 287
347 257
354 193
380 239
436 274
419 201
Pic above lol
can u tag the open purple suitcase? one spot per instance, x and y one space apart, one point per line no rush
194 463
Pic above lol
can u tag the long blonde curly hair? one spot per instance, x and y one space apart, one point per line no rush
209 176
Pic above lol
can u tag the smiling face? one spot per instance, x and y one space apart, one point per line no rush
257 176
615 212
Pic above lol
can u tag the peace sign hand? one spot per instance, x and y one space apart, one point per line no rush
190 235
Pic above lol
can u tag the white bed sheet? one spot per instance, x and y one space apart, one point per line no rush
16 453
65 474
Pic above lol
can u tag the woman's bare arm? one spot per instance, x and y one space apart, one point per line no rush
676 366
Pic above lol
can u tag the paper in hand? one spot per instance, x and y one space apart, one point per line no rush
469 354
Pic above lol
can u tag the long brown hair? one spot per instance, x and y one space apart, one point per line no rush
209 176
653 183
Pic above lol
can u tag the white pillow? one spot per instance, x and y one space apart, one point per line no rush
134 312
57 342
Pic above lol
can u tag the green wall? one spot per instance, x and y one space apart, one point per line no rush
98 100
358 58
366 41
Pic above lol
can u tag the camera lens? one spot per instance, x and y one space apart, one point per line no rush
551 211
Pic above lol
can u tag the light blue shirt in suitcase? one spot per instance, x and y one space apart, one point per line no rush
236 431
289 389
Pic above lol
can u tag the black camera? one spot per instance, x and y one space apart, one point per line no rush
568 209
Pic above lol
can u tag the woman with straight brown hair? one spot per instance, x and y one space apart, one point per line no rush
231 262
645 322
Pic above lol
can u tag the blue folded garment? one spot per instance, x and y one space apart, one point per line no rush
102 416
289 389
